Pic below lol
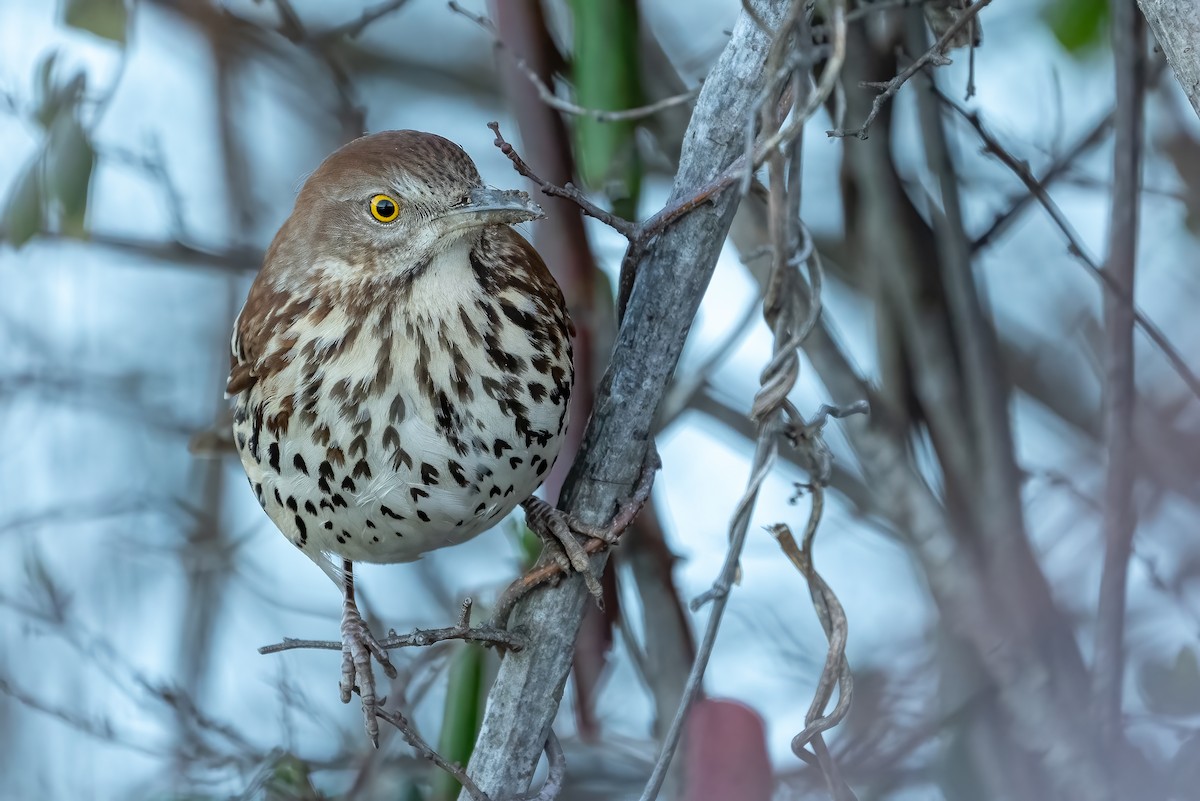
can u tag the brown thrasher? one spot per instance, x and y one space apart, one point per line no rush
401 369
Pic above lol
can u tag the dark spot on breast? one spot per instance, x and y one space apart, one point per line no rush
358 445
396 410
401 457
303 529
258 490
391 437
370 524
515 461
386 510
328 525
335 456
500 446
338 500
421 514
456 472
300 465
374 539
398 533
278 497
429 474
348 484
541 468
494 491
536 391
541 363
362 469
310 508
417 492
320 435
273 456
291 503
508 491
480 508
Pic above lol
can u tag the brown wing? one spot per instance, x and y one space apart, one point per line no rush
265 309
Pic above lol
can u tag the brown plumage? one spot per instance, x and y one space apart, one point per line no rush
402 367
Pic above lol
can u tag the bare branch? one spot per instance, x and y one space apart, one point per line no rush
1076 247
462 630
1119 522
935 55
552 100
624 227
424 750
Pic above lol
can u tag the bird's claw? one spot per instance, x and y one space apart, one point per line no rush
558 532
358 646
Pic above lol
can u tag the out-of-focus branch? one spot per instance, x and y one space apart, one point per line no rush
1062 164
1176 26
1076 247
541 85
1119 518
935 55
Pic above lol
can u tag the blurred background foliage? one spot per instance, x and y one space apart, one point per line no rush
152 148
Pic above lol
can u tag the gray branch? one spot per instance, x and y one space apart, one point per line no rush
671 279
1176 26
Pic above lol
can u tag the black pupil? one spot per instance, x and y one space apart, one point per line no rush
385 207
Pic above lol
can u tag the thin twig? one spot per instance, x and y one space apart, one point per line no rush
622 226
552 100
424 750
934 55
350 30
1056 170
489 635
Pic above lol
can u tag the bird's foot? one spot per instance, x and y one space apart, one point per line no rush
561 531
358 646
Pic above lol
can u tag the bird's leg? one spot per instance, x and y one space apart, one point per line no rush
358 646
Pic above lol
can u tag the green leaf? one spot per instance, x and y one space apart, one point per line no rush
289 779
1172 689
105 18
1077 24
23 209
606 76
70 161
461 718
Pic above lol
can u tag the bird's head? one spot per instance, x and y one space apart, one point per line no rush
391 202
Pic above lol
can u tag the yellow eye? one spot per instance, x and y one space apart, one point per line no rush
384 208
